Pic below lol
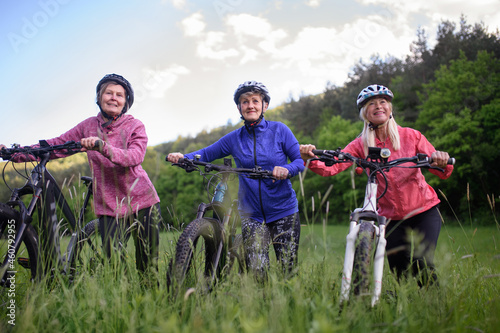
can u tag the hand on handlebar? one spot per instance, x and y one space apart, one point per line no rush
440 159
174 157
91 143
306 152
280 173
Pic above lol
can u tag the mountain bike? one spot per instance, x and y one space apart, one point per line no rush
31 234
366 238
209 245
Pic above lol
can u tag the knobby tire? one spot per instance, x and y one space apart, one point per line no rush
195 256
25 266
363 257
88 251
236 253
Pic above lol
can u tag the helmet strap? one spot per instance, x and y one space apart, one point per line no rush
374 127
109 118
253 123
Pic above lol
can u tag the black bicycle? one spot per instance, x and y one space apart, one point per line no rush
366 238
32 229
209 245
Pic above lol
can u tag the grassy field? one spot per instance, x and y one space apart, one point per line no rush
114 300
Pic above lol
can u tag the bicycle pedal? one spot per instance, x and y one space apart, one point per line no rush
24 262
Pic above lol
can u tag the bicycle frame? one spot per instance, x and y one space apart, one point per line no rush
46 197
223 209
375 162
366 214
222 239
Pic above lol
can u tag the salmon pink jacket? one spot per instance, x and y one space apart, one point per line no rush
408 193
121 185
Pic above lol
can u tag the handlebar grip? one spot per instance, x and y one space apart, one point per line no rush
98 144
317 151
451 161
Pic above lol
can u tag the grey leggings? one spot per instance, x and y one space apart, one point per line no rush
284 235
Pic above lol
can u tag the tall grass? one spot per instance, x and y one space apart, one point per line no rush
115 300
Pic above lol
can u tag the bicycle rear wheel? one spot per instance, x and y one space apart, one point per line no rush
195 256
362 268
85 250
22 266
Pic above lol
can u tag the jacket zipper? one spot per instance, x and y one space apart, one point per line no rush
260 180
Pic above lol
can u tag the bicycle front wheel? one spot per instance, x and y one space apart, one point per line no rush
194 265
22 266
237 254
85 250
362 268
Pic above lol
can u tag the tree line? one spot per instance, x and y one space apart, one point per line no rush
449 92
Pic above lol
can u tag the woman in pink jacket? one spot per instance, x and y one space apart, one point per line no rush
409 203
123 193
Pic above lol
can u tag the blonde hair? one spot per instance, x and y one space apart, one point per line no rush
368 133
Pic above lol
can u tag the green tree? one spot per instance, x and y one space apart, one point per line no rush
336 133
460 113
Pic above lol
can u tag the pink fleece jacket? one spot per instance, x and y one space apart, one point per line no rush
121 186
408 193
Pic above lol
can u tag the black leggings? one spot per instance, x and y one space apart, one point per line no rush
115 234
425 227
284 235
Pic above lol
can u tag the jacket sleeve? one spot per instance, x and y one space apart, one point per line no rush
355 148
425 147
219 149
292 151
74 134
134 147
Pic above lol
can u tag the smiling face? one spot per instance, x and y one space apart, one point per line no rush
113 99
378 110
251 106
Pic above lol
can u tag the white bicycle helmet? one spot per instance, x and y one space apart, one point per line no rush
373 91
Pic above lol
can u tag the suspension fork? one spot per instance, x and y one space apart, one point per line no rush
349 258
378 263
368 213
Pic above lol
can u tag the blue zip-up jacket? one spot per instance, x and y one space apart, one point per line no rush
267 145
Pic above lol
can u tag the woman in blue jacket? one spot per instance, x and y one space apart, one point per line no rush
268 209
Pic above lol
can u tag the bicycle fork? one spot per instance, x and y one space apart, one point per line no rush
365 215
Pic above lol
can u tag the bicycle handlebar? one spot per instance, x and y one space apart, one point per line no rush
254 173
70 146
374 162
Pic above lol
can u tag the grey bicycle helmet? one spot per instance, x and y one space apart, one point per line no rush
121 81
373 91
252 86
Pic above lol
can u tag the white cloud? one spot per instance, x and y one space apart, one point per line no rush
245 24
212 47
156 82
179 4
262 32
193 25
313 3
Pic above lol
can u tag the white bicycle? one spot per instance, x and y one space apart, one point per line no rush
365 248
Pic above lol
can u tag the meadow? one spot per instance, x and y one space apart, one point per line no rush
114 299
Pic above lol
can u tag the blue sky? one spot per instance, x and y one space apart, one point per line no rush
185 58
